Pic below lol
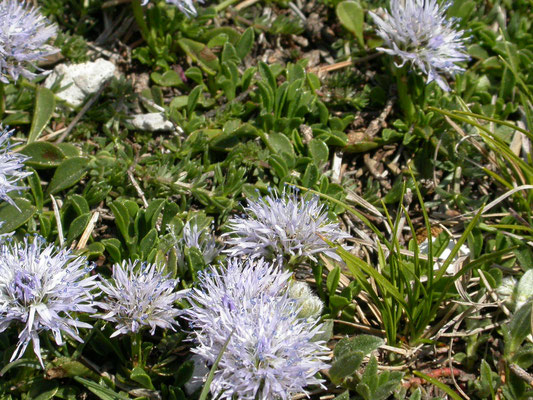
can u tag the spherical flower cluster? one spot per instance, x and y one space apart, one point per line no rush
41 287
283 227
139 295
272 352
418 32
185 6
11 165
24 33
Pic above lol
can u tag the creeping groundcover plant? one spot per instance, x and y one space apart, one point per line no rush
265 199
244 312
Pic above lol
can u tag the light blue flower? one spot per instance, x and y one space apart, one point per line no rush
11 165
24 32
185 6
417 32
283 227
272 352
42 287
137 295
199 238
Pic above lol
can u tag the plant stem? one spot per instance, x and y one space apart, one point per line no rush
225 4
406 102
136 349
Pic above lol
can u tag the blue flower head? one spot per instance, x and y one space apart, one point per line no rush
417 32
185 6
283 226
24 32
272 352
138 295
41 287
11 167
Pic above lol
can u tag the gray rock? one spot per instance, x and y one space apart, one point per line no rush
199 375
85 79
151 122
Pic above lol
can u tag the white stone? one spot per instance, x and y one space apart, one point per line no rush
151 122
85 79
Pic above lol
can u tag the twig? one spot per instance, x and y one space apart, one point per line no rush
474 331
58 222
297 11
379 122
452 375
521 373
88 230
244 4
344 64
137 188
361 327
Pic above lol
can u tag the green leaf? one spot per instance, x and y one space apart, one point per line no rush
43 390
192 100
63 367
352 17
45 105
169 78
15 216
229 54
310 175
360 343
67 174
280 143
417 395
370 376
345 366
338 302
245 43
200 53
103 392
343 396
439 384
43 155
112 246
319 151
333 280
486 379
77 227
148 242
79 204
141 377
69 150
122 220
520 326
279 166
36 188
153 211
267 75
218 40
